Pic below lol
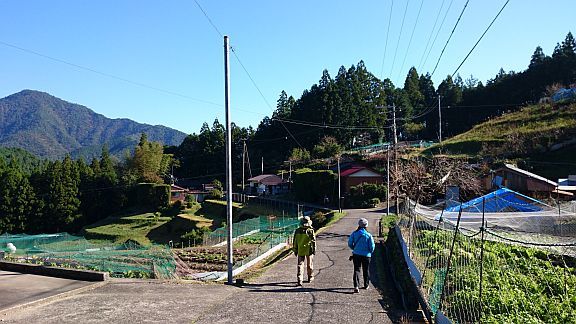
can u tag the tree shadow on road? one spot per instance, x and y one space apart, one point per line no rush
293 288
329 235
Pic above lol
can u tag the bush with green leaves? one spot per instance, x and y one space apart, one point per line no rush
195 234
366 195
314 186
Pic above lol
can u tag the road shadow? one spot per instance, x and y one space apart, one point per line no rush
329 235
291 287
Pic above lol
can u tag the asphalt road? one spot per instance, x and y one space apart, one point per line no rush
272 297
17 289
275 298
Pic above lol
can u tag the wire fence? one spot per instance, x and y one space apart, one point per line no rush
471 268
263 224
64 250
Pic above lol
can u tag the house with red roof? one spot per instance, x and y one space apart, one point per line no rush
358 174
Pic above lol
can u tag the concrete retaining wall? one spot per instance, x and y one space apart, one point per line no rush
75 274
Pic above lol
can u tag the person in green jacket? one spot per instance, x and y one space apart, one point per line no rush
304 248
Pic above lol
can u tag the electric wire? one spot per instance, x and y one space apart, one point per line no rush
108 75
411 36
437 33
484 33
399 36
431 33
387 34
209 20
313 124
115 77
245 70
450 37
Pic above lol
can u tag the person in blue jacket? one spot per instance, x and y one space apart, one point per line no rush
362 245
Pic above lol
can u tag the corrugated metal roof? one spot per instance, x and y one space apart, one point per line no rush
530 174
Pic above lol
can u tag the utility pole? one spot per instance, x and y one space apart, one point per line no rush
339 188
395 155
228 159
243 162
262 170
394 124
290 175
439 122
388 181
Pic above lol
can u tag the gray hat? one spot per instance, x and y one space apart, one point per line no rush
306 221
363 222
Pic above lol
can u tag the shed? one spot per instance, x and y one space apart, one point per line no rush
178 193
514 178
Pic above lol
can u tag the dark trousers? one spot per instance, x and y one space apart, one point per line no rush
364 262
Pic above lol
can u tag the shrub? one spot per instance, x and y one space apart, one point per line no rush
313 186
195 234
216 194
318 219
366 195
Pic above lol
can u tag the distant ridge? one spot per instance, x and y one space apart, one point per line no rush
49 127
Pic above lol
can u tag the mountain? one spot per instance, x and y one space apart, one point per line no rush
50 127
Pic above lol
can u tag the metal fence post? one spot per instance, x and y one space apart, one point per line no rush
450 258
482 229
433 241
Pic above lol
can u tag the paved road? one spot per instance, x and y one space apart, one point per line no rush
271 298
275 298
19 289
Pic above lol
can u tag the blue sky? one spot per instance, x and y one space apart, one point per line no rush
161 62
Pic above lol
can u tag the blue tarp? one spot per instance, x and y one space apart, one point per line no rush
501 200
564 95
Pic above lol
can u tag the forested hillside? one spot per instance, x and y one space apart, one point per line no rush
51 128
356 108
64 195
536 137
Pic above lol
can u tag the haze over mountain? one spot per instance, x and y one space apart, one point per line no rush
50 127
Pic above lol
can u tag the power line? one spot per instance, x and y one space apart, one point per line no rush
399 36
209 20
312 124
437 33
115 77
108 75
450 37
411 36
484 33
431 33
246 71
387 33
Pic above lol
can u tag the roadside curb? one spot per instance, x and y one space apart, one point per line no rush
35 269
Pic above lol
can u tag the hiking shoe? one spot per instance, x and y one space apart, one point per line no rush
356 290
299 284
366 287
310 279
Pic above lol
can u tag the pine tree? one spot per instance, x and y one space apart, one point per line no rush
568 47
17 200
62 207
537 58
108 176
